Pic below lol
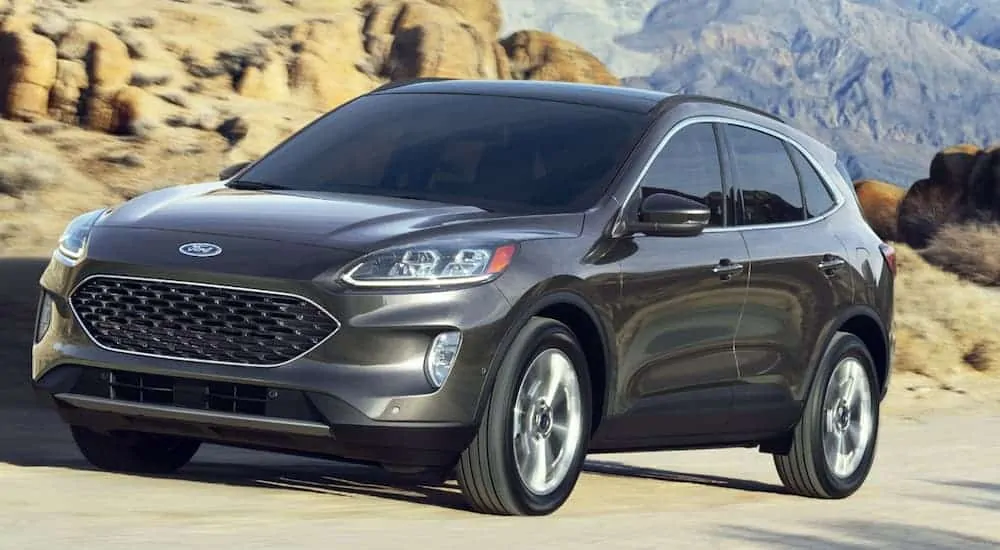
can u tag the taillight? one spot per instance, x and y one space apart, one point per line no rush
889 253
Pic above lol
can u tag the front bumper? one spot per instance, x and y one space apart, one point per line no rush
252 416
360 395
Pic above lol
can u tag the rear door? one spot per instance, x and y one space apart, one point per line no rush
799 279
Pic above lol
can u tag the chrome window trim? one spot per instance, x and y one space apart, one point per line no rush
83 326
839 198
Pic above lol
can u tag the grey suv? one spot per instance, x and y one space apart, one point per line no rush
489 279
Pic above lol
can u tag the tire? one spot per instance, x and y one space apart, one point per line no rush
806 470
137 453
488 471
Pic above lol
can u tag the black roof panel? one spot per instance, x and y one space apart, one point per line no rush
616 97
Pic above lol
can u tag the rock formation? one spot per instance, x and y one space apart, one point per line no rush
963 186
537 55
417 38
27 73
880 203
80 72
323 68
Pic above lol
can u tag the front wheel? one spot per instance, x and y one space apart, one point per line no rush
833 446
531 444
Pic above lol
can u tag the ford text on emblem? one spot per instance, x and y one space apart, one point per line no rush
200 250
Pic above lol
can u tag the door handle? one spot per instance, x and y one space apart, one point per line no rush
726 269
831 263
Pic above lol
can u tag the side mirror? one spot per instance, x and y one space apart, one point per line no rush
670 215
232 170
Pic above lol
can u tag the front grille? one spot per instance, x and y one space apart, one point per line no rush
188 393
197 322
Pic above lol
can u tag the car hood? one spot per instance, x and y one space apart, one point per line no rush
345 221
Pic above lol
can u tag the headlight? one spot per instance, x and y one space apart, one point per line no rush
431 265
73 241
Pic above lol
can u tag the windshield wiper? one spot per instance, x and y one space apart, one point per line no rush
254 185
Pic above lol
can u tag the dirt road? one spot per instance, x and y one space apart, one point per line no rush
936 484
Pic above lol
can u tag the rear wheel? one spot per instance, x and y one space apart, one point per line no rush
131 452
532 441
833 446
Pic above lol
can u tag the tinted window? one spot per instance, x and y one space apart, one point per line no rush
501 153
689 165
818 197
770 185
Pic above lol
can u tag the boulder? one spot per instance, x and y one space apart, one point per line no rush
880 204
538 55
941 198
416 39
926 206
27 72
324 69
484 14
109 66
126 111
70 84
981 200
269 82
13 23
952 165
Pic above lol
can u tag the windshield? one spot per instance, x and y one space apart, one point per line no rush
500 153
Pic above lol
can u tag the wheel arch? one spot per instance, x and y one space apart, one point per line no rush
863 322
576 312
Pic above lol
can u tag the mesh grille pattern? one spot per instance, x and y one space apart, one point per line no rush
199 323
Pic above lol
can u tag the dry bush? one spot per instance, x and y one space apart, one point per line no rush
146 77
944 325
143 22
971 251
24 170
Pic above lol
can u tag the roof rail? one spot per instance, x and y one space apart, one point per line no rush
683 98
401 83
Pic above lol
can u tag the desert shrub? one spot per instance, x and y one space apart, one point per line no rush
971 251
944 325
24 170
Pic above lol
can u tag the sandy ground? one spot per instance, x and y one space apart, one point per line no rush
936 484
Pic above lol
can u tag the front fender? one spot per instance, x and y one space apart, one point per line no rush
562 291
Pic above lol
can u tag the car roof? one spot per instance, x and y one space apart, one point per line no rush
625 98
616 97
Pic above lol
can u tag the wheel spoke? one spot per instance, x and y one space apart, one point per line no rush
843 456
554 381
539 462
848 394
858 398
558 435
830 444
854 438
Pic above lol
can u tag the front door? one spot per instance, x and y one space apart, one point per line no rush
681 303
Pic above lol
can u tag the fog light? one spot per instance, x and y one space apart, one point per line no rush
441 357
43 319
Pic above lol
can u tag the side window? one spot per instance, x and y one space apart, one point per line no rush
819 200
769 184
689 166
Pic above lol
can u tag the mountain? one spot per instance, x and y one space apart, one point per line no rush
886 82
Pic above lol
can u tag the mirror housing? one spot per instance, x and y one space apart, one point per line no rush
233 169
670 215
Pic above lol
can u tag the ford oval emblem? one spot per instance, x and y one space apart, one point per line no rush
200 250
